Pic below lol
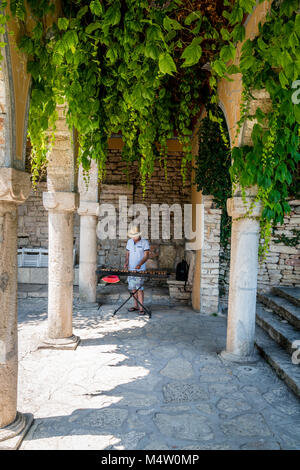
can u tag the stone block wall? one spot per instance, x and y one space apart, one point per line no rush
33 218
282 264
210 257
163 253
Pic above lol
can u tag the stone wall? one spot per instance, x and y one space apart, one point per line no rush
210 257
282 265
33 218
163 253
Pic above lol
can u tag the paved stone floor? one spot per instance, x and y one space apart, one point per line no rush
135 383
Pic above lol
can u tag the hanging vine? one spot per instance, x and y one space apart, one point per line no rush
146 68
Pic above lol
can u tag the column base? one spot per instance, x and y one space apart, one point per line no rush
11 436
231 357
60 343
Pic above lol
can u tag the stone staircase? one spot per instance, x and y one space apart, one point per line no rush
278 326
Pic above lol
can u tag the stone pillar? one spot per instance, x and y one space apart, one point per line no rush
88 251
243 281
14 189
60 207
61 201
88 235
197 227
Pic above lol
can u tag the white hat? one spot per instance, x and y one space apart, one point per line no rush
134 233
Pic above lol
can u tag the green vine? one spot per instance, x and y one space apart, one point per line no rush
271 62
212 168
145 69
288 241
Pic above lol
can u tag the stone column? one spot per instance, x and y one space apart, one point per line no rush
243 281
88 251
14 189
61 201
60 207
88 236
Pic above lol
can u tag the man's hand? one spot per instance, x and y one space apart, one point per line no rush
138 266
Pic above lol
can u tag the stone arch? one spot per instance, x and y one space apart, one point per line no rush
17 86
7 107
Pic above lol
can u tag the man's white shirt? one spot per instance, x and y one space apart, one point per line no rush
137 252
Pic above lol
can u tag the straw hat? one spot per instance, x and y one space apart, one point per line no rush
134 233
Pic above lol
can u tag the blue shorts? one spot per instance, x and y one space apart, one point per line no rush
134 282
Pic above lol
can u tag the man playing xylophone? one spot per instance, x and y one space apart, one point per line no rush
137 253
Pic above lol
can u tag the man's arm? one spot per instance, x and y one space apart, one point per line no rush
146 256
126 260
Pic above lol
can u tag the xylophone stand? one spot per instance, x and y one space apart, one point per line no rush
148 311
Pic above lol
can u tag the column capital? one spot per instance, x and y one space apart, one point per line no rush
88 208
236 207
15 185
60 201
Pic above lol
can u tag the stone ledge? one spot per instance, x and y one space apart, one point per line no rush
237 208
60 201
88 208
15 185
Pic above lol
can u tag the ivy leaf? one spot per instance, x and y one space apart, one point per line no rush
238 33
247 5
92 26
192 53
297 112
154 33
151 51
297 24
82 12
228 52
63 23
170 24
225 34
219 67
112 55
195 15
232 69
113 14
96 7
283 80
166 64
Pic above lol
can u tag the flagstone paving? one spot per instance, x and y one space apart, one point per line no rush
135 383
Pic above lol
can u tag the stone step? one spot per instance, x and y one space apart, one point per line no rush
292 294
283 333
283 307
279 360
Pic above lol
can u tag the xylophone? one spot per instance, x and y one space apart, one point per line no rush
125 272
101 271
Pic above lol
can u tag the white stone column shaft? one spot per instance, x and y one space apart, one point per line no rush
88 211
243 282
14 189
61 207
88 251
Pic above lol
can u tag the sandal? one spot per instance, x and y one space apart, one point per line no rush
142 312
132 309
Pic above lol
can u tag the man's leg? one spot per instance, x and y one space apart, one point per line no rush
140 294
135 296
